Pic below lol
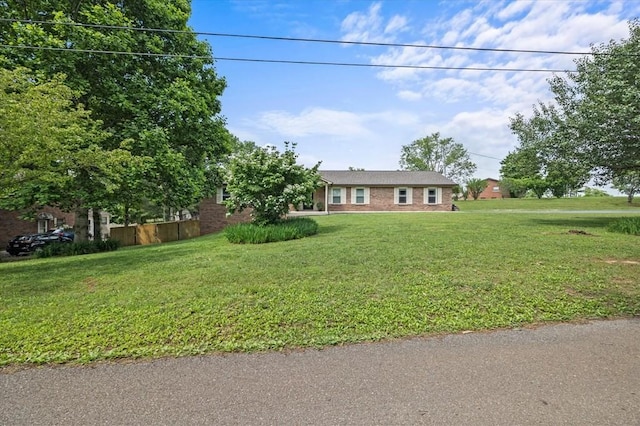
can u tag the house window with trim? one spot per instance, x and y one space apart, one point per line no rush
222 194
433 196
496 189
337 196
403 196
360 195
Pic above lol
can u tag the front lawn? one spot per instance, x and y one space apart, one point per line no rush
550 204
361 278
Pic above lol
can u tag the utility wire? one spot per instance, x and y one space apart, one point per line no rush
485 156
308 40
280 61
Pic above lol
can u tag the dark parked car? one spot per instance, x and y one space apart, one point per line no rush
23 244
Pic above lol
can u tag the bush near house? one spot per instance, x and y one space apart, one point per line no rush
289 229
74 249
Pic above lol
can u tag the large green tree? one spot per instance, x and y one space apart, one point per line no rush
545 158
51 149
601 106
159 99
442 155
628 183
268 182
593 126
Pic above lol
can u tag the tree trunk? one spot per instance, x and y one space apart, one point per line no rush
630 197
97 221
81 227
126 215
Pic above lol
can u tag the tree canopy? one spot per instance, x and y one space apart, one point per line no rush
158 100
592 128
442 155
268 182
50 152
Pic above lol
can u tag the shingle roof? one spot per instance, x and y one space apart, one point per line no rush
384 178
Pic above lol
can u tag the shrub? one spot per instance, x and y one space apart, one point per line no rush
74 249
289 229
626 225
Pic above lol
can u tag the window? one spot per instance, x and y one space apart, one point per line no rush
496 189
359 195
222 194
335 196
338 196
403 195
433 195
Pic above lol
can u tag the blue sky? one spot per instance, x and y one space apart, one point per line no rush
361 116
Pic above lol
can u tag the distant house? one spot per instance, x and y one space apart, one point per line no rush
47 219
383 191
493 190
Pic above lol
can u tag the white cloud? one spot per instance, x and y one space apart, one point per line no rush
314 121
409 95
512 9
365 27
371 26
396 24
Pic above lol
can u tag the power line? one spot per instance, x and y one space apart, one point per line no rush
308 40
280 61
485 156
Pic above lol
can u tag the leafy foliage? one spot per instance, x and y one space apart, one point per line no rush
593 126
163 109
290 229
51 151
595 192
268 182
476 186
544 159
628 183
442 155
77 248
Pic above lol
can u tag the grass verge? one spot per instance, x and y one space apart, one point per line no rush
576 203
626 225
361 278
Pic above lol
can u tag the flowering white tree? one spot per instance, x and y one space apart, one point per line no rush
268 182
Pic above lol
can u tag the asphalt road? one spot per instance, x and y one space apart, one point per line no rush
586 374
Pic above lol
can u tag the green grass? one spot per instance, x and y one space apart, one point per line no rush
361 278
626 225
576 203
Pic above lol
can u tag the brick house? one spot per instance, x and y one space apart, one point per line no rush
47 219
213 214
493 190
383 191
352 191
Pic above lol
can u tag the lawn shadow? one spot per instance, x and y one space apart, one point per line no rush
576 221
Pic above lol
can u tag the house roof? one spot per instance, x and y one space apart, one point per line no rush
384 178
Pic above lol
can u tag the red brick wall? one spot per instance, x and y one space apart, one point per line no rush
213 216
489 193
382 199
11 225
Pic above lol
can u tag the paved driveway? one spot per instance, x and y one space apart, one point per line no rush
586 374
